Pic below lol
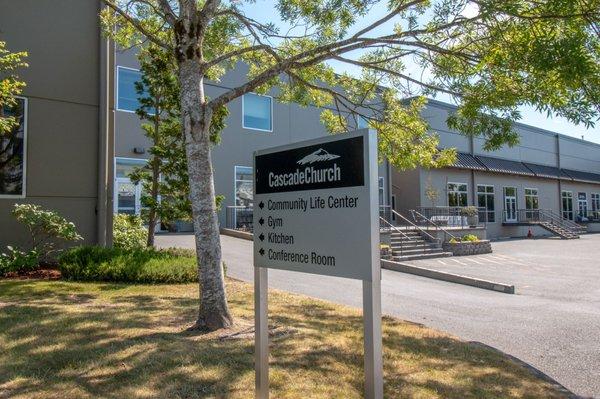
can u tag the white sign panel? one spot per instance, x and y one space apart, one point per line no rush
316 207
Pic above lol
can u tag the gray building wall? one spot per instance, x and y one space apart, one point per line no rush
62 38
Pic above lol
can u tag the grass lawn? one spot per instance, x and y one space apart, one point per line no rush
78 340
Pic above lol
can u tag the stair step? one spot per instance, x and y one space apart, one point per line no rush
417 251
422 256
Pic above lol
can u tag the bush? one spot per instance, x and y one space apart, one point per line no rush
90 263
470 238
47 229
129 232
469 211
15 261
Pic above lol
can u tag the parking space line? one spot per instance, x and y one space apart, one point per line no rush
474 261
459 262
442 262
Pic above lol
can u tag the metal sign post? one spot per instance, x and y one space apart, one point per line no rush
316 211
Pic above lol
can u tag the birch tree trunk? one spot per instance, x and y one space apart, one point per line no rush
213 312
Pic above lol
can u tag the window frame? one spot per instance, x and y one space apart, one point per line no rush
117 88
243 113
487 194
25 139
562 210
537 195
466 192
595 199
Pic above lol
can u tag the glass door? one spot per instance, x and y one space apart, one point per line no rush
510 204
567 205
127 197
582 206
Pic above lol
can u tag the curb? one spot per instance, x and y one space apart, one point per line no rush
237 234
449 277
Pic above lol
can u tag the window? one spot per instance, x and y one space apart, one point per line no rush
457 194
13 151
244 187
567 204
532 203
362 122
485 200
257 112
582 206
595 206
127 97
381 191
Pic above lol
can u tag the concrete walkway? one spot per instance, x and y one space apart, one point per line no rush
553 323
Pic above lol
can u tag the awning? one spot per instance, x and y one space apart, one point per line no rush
504 166
550 172
467 161
586 177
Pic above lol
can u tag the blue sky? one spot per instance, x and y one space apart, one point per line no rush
264 11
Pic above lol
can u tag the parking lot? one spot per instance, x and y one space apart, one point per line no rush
552 323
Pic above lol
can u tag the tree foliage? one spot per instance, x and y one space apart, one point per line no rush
10 85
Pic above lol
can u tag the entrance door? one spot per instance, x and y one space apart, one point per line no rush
510 204
127 197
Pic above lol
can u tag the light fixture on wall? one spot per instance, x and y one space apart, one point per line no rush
139 150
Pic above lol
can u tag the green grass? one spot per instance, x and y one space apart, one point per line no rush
145 266
82 340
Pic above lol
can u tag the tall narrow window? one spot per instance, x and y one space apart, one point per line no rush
244 186
485 202
567 205
127 97
457 194
381 190
595 215
582 206
532 203
257 112
13 151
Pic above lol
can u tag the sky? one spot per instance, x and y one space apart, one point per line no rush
264 10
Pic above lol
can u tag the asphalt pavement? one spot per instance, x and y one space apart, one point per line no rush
552 323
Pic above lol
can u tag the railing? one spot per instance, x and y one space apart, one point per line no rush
419 218
238 218
534 216
452 216
588 216
403 219
390 227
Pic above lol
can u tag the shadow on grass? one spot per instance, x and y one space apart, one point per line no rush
136 345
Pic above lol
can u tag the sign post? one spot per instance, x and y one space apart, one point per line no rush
316 211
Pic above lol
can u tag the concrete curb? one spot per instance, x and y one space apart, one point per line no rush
449 277
237 234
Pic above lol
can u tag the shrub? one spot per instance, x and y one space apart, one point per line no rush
129 232
15 260
470 238
146 265
469 211
47 229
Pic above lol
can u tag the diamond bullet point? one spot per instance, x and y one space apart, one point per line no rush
261 221
261 205
261 252
261 236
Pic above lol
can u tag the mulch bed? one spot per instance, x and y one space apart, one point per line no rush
43 274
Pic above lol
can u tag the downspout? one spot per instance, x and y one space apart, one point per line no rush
473 191
104 207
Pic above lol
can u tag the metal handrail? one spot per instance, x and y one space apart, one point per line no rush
561 222
395 228
433 223
414 225
558 216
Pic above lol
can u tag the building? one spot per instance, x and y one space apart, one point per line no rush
80 136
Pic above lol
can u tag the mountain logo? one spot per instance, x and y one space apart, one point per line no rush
318 156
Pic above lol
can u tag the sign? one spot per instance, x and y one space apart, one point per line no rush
316 210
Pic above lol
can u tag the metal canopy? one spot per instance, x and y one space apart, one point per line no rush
504 166
550 172
468 161
586 177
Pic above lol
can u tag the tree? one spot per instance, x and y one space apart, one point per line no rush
158 95
10 85
491 56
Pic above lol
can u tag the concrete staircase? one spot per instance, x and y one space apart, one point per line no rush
410 245
561 231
